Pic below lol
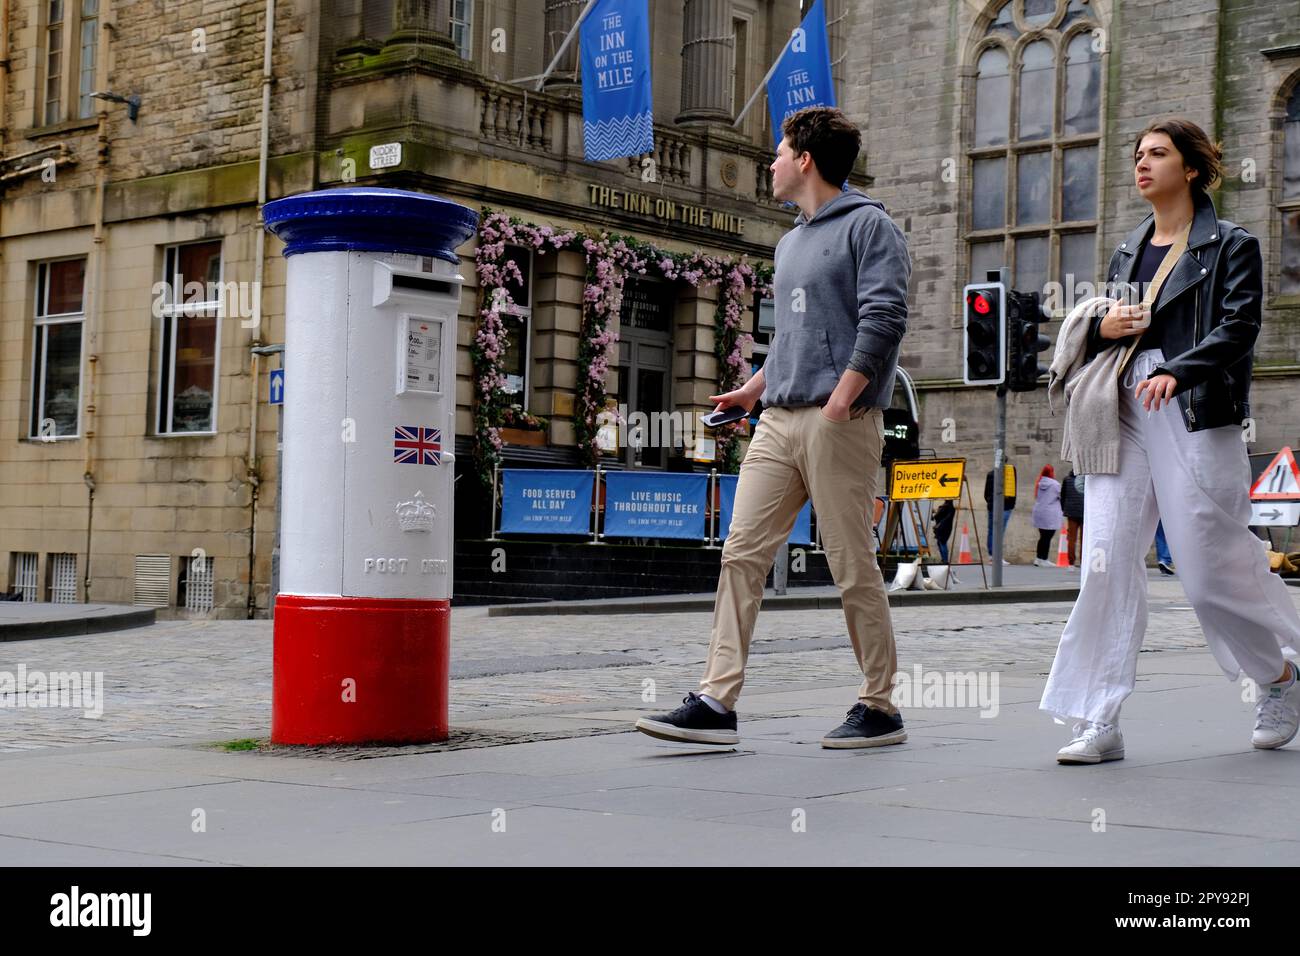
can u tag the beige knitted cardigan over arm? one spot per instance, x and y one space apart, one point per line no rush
1090 438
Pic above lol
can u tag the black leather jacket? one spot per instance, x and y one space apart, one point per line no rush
1211 304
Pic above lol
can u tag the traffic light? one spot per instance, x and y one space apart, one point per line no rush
984 348
902 436
1024 315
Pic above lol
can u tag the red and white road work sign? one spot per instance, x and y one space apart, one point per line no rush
1275 495
1280 481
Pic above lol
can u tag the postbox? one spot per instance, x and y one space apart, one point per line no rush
362 630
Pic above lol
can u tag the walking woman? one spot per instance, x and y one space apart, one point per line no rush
1155 393
1047 513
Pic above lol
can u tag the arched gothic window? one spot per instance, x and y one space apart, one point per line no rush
1033 143
1289 209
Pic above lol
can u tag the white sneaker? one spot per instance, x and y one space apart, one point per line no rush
1277 716
1092 743
1043 563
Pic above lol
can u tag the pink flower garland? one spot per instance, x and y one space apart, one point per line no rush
609 260
496 231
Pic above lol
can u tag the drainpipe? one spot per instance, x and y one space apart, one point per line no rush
95 277
4 85
4 69
259 256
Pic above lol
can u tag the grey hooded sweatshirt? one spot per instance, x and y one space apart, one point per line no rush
840 292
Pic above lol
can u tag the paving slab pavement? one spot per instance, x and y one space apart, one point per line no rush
964 790
543 767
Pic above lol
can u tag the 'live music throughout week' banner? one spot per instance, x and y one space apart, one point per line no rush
617 112
800 534
803 74
546 501
653 504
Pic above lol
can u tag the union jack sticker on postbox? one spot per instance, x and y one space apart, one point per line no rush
414 445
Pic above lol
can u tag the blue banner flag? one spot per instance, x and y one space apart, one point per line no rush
801 533
803 74
655 504
546 501
614 47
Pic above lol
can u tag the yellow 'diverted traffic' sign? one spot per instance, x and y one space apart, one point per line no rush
928 478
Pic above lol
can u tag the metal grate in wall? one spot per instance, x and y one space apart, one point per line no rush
152 580
63 578
198 585
25 574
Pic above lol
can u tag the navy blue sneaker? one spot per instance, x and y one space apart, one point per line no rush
695 722
866 727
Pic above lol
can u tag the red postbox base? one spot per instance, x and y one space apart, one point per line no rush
360 670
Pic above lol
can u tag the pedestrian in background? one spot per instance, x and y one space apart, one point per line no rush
1008 505
943 519
1072 490
1047 513
1164 560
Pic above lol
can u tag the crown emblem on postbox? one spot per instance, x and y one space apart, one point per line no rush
416 514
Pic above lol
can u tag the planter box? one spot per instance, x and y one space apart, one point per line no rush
523 436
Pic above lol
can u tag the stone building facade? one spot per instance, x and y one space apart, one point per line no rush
137 449
949 95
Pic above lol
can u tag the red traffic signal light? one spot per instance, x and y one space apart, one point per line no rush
984 334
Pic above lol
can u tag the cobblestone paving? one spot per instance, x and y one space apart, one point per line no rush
189 681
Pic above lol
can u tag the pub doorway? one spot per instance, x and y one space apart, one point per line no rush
645 351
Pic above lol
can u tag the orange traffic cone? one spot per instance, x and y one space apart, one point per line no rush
963 551
1063 552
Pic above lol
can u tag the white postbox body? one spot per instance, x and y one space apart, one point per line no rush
370 411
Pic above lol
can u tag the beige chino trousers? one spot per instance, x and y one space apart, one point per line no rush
799 453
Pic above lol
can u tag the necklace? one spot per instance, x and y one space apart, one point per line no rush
1176 233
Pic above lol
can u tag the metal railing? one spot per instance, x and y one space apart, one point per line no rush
595 530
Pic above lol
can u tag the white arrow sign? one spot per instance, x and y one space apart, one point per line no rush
1275 514
277 386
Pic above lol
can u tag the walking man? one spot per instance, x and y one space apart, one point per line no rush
841 311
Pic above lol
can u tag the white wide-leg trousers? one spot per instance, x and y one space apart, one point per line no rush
1198 484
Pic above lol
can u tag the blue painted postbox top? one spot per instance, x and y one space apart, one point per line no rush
370 219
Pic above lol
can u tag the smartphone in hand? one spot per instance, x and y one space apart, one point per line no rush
732 413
